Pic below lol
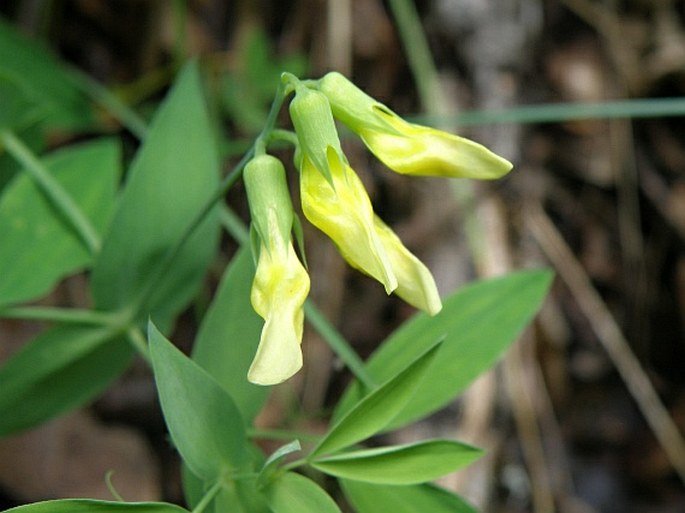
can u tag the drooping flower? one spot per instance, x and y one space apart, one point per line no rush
405 147
335 201
281 283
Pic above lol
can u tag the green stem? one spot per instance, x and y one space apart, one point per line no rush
339 345
54 314
418 54
53 190
233 224
139 342
209 496
559 112
180 30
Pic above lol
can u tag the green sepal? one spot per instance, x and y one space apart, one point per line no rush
269 197
311 115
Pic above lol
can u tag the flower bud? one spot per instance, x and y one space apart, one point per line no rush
405 147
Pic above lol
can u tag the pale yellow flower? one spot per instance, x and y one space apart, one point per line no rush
405 147
343 211
281 283
279 290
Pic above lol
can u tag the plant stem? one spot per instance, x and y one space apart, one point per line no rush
53 190
139 342
233 224
54 314
209 496
339 345
418 54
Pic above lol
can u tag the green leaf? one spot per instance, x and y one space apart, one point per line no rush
38 247
376 410
171 179
203 421
96 506
17 109
229 336
45 79
294 493
400 464
423 498
62 368
478 322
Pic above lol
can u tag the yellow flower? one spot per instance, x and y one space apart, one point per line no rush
405 147
281 283
343 211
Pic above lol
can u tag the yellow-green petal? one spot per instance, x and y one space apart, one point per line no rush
279 290
422 151
416 285
343 211
405 147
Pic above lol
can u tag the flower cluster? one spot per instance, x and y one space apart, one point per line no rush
335 201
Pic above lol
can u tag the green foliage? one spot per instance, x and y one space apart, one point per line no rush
60 369
173 175
204 423
400 465
478 323
376 410
38 249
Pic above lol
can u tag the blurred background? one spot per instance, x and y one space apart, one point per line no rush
586 412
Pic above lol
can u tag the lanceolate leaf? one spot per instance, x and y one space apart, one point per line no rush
96 506
38 248
401 464
203 421
478 323
375 411
423 498
62 368
171 179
